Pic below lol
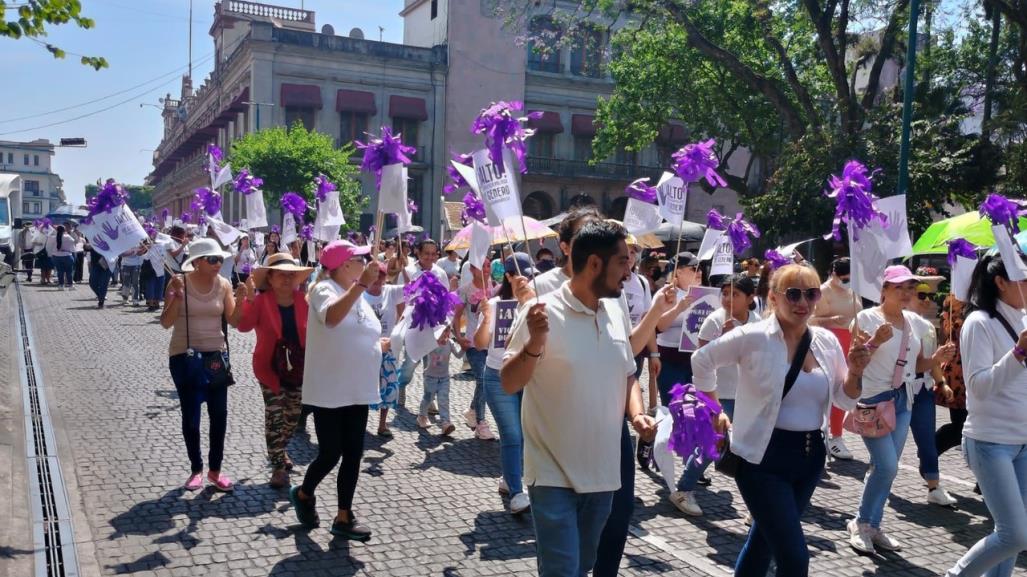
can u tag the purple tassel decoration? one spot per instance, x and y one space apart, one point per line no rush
431 300
776 259
216 154
324 187
961 247
856 203
381 152
1002 211
474 208
164 214
641 190
694 416
207 201
296 204
411 207
715 220
245 183
739 232
186 217
456 180
275 229
697 161
110 196
307 232
502 127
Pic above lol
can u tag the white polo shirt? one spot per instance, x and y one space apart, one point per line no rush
573 406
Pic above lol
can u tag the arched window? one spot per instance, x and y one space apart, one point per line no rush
538 205
543 45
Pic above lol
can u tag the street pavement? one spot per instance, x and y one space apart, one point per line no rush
431 501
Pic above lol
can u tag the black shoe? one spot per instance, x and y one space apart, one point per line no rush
306 510
99 305
977 488
352 530
704 481
644 454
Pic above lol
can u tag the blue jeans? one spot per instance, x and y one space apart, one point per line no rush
671 374
921 423
615 532
567 528
130 281
777 493
693 470
884 459
191 397
65 266
1001 471
436 386
154 289
506 409
406 371
476 358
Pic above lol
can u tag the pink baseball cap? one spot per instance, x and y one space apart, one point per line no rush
898 274
338 252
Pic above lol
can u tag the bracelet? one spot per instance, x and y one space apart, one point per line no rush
532 355
655 355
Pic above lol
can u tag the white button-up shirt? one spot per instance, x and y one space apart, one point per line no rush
996 383
760 352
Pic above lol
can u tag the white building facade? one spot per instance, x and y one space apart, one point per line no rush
41 191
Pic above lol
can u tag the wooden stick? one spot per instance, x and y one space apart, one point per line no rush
524 229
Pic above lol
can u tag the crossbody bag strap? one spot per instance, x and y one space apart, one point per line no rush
797 361
1007 326
185 298
900 363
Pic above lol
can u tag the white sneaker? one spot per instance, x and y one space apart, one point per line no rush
520 503
483 432
939 496
861 536
471 418
685 502
504 489
836 446
884 541
423 422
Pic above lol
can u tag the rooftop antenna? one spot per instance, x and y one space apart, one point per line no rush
190 38
381 30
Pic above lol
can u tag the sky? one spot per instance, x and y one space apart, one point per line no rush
146 44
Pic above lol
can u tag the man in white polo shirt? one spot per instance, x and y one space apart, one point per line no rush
570 354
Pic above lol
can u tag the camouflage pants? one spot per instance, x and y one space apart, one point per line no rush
281 414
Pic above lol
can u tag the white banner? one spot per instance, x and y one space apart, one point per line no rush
225 232
877 246
329 212
392 197
256 212
723 257
223 177
499 189
481 240
468 173
962 273
672 195
288 230
327 232
1015 268
115 232
641 217
710 242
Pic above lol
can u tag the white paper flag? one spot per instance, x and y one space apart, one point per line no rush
167 221
723 257
710 242
962 273
256 212
330 211
115 232
1018 271
640 217
499 189
877 246
672 195
468 173
481 240
392 197
225 232
288 229
223 177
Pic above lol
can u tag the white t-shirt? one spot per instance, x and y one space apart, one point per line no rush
711 329
452 267
549 281
638 298
342 363
414 271
385 304
672 336
877 377
803 408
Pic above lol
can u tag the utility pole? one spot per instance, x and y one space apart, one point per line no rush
907 98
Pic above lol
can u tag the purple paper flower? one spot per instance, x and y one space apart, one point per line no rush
307 232
502 127
381 152
641 190
324 187
295 204
694 416
856 203
206 201
411 206
474 208
410 239
164 214
715 220
186 217
42 223
776 259
110 196
352 237
961 247
151 231
456 180
696 161
245 183
1002 211
215 153
739 232
275 229
431 300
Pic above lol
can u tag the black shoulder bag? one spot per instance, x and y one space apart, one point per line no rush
213 368
729 463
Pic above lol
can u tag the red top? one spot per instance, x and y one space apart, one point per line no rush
262 314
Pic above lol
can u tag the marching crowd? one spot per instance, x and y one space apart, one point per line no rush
557 347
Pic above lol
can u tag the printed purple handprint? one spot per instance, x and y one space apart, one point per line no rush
111 231
101 244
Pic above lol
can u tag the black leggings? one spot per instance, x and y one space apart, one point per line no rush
951 434
340 435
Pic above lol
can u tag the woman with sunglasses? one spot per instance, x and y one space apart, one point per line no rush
778 433
340 379
506 408
195 307
278 314
899 350
995 433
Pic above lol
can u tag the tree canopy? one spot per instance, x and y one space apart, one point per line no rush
31 18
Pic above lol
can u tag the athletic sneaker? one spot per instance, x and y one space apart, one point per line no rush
939 496
686 503
352 529
503 488
483 432
836 446
861 536
306 510
520 503
884 541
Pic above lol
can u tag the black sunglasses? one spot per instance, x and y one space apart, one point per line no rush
924 296
214 259
794 295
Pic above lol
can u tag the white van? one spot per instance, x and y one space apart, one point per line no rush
8 184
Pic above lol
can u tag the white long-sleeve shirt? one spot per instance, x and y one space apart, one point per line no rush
760 352
996 383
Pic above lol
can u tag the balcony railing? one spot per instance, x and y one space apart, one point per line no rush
276 12
582 169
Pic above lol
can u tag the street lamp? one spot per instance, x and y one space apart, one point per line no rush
258 105
142 104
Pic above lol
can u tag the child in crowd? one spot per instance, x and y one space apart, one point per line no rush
436 382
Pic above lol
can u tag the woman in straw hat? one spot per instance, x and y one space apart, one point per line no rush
278 313
195 306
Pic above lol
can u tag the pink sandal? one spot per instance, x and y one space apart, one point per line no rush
195 482
221 482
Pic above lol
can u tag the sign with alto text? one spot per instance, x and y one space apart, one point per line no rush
498 187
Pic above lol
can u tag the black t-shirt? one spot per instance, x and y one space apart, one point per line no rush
289 331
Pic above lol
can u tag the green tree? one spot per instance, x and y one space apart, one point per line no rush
140 197
33 17
288 160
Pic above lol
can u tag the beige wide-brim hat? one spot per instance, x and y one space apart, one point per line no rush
202 248
280 261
